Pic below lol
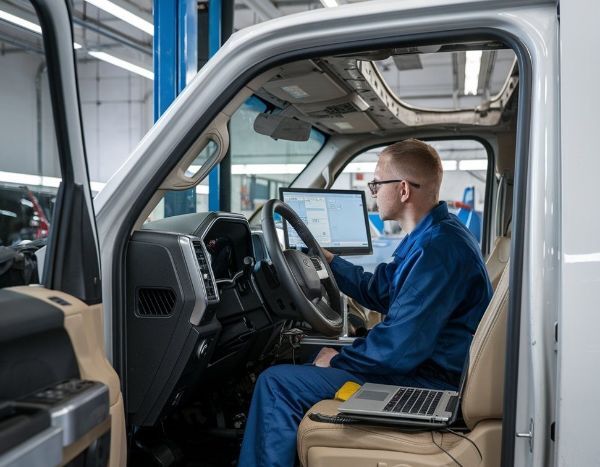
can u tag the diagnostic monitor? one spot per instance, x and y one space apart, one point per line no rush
337 219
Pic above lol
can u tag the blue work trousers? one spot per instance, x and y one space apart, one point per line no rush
283 393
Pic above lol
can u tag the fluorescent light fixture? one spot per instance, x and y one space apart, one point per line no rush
329 3
360 167
27 25
40 180
449 165
124 15
472 67
266 169
473 164
122 64
20 22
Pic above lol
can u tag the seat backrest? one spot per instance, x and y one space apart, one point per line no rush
498 259
484 388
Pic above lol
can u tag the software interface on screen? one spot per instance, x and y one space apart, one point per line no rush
336 220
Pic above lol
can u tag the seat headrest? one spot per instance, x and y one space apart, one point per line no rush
484 389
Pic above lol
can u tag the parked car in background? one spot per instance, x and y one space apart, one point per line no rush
23 214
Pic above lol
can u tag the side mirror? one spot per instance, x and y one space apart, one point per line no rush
279 126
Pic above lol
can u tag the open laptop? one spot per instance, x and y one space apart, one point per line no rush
408 406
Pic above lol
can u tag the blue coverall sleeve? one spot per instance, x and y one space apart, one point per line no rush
420 309
371 290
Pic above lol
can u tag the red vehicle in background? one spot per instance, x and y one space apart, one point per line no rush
24 215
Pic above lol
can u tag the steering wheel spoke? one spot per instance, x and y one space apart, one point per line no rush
320 268
303 276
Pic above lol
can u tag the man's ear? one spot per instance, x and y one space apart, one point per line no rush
405 191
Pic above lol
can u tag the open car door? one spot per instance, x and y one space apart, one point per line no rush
60 399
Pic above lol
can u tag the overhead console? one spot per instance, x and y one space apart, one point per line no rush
192 308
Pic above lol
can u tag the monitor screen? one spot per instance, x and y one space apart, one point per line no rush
336 218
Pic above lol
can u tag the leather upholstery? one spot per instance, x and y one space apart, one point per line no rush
323 444
496 262
484 389
329 445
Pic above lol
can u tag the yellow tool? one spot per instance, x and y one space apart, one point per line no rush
345 392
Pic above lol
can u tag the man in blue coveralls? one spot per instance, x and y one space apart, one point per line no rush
432 295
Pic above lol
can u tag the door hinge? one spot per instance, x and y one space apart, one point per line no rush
528 435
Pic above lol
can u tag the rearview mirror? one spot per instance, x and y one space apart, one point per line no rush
279 126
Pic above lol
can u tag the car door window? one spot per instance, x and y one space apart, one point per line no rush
465 163
29 165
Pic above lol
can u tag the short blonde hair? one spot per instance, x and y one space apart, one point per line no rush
417 162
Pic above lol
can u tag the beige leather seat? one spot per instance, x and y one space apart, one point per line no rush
498 259
330 445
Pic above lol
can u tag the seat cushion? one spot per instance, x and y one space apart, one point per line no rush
311 433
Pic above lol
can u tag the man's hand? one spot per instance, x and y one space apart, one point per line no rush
324 357
328 255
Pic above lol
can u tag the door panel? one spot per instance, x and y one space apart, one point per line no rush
60 399
84 325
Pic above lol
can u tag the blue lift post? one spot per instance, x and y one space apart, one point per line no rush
177 40
214 42
175 63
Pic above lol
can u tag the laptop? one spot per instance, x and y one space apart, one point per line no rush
408 406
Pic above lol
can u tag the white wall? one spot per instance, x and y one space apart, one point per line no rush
116 110
18 117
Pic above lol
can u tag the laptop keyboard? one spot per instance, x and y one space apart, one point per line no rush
414 401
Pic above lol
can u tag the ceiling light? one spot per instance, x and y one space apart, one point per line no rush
360 167
449 165
20 22
472 67
124 15
266 169
122 64
473 164
329 3
27 25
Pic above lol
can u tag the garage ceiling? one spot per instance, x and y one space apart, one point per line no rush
434 80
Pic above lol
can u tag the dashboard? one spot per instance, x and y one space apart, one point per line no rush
194 310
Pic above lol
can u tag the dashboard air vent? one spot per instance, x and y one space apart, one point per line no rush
153 301
211 293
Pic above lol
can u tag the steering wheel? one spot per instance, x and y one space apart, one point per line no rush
302 275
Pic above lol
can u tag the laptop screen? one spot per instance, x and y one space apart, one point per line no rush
336 218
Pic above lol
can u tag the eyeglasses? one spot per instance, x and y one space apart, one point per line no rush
374 186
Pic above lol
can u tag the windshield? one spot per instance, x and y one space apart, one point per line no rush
260 165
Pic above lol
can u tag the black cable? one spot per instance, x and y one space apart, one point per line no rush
447 453
469 440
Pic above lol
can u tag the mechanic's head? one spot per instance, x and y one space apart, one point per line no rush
417 172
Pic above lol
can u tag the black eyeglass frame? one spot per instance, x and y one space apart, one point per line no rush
374 188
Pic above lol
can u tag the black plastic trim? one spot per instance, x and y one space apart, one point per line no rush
72 260
23 315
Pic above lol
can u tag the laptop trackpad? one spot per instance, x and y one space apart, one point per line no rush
372 395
